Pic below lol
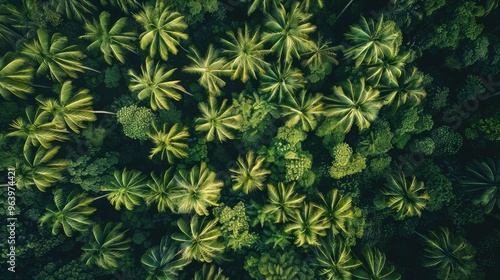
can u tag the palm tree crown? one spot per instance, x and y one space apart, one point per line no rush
163 262
249 175
163 29
308 224
127 189
304 110
217 121
282 202
282 82
407 199
160 190
15 76
334 259
171 144
483 180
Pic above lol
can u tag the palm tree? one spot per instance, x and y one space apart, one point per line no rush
37 129
303 109
375 266
288 32
482 179
124 5
106 247
15 76
199 240
154 83
334 259
196 190
41 170
249 175
451 256
371 41
246 54
407 199
73 9
282 202
407 88
282 82
161 190
320 52
111 41
69 212
265 5
127 189
217 121
162 261
53 55
163 29
308 224
353 104
387 69
209 272
71 110
306 4
338 209
171 144
210 67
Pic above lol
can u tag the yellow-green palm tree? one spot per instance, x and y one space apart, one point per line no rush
110 40
126 189
371 40
338 209
69 212
164 261
387 69
171 144
106 247
375 266
288 32
353 103
54 56
320 52
154 83
71 110
334 259
210 68
196 190
217 122
163 27
199 239
407 88
209 272
74 9
308 224
303 110
15 76
265 5
37 130
281 82
249 175
407 199
160 190
246 54
282 202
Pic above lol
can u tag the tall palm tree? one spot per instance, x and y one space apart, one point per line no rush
54 56
209 272
265 5
482 179
160 190
371 41
74 9
217 121
196 190
154 83
41 169
282 202
320 52
15 76
127 188
163 27
37 129
338 210
281 82
72 109
407 199
69 212
210 67
308 224
163 262
408 88
106 247
171 144
199 239
451 256
288 31
375 266
387 69
304 109
353 103
334 259
110 40
249 175
246 54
